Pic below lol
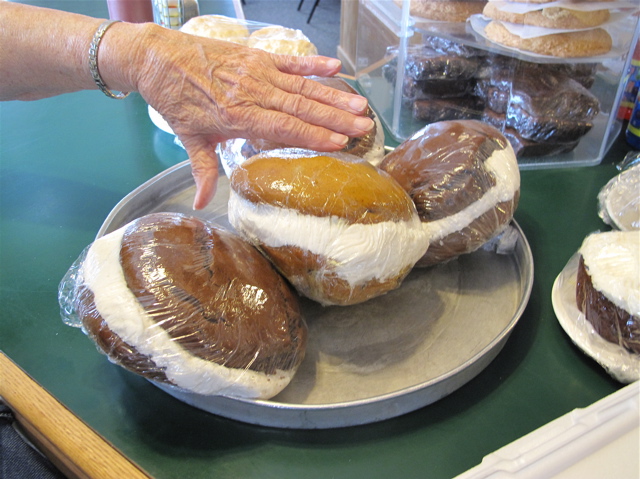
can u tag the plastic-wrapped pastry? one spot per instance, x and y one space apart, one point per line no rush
339 229
619 200
551 108
183 302
608 286
464 179
282 40
369 147
218 27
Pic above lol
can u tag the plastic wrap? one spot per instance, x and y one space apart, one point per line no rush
435 71
619 362
339 229
186 303
542 108
270 38
540 102
619 200
464 179
369 147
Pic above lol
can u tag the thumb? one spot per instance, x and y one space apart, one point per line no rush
204 168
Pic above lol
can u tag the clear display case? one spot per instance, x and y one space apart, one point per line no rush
556 111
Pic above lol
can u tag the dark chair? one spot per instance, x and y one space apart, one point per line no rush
313 9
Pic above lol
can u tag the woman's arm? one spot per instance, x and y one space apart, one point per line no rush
207 90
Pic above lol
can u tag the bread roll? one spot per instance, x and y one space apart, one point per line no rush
464 179
340 230
186 303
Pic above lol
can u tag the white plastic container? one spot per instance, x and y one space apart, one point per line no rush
600 441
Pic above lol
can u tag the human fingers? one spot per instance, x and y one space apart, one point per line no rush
295 82
204 168
317 113
307 65
286 129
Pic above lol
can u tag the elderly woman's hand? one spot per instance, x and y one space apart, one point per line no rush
207 90
210 91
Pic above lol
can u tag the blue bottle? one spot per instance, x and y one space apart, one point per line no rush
633 127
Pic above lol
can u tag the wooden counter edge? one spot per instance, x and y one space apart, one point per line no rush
76 449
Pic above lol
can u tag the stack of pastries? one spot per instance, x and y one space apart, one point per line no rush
543 109
186 303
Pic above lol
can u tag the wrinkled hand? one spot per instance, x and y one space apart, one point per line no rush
210 91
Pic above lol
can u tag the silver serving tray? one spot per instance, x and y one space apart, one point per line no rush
379 359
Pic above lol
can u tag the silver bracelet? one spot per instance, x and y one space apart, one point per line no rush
93 61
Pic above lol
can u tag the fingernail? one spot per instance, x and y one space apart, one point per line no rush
358 103
333 63
338 139
363 123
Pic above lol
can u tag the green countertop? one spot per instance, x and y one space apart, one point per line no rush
66 161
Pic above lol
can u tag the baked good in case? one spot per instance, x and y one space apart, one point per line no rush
186 303
608 286
569 44
339 229
464 179
550 17
445 10
540 104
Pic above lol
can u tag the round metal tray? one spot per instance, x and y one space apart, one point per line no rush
379 359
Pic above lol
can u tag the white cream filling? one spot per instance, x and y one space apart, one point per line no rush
356 253
613 263
103 274
504 167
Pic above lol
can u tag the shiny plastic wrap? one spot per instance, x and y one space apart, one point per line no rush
574 290
186 303
608 286
338 228
542 109
434 73
619 200
464 180
539 104
369 147
270 38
